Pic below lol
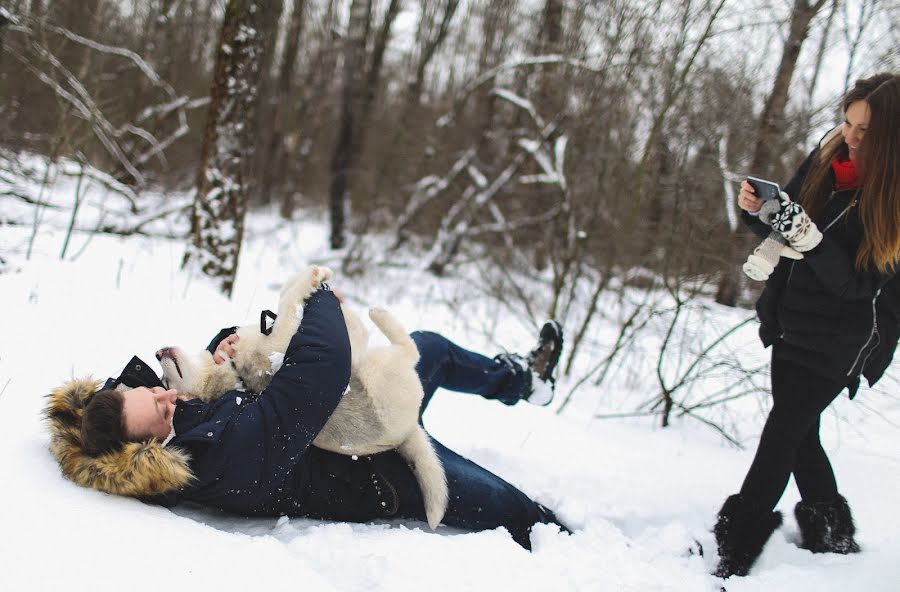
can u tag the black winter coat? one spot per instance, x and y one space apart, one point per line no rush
828 316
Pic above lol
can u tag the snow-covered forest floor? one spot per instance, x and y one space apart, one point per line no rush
638 497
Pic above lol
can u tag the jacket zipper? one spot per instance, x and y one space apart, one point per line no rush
794 262
873 333
841 215
830 224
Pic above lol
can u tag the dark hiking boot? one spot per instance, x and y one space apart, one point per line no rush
742 530
826 527
542 361
537 370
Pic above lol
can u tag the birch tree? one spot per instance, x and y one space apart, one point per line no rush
220 202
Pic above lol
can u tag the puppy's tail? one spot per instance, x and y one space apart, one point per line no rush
394 331
426 466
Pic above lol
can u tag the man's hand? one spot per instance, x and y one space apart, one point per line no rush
225 349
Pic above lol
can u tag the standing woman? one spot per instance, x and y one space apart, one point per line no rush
831 316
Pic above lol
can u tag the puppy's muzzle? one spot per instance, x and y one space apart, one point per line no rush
169 354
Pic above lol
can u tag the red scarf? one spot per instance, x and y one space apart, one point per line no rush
845 175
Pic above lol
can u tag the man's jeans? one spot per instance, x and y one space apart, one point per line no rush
479 499
443 364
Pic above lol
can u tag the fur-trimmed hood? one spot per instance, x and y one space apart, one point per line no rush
139 469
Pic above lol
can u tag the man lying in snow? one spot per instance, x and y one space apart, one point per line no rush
250 454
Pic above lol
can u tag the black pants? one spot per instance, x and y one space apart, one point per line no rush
790 439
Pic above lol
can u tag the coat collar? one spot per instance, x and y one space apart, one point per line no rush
188 415
139 469
136 373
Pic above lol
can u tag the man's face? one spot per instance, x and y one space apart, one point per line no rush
148 412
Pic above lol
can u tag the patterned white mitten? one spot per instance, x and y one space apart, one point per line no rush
796 226
769 210
761 263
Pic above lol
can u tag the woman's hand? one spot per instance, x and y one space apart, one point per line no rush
225 349
747 199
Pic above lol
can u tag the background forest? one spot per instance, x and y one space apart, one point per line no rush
572 150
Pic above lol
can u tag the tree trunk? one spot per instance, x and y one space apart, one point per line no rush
265 106
373 75
311 110
220 203
276 153
428 45
773 114
429 49
342 160
3 22
552 96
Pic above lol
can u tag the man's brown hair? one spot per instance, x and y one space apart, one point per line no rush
103 423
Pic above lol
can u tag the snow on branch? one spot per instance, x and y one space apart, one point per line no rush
148 71
559 153
461 219
85 106
521 103
585 63
6 17
427 189
728 180
70 88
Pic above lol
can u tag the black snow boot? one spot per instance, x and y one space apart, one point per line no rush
742 530
826 527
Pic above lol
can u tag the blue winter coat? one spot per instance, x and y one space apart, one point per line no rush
247 450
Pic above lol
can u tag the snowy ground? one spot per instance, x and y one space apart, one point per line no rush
637 496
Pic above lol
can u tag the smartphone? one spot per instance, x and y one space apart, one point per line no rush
764 190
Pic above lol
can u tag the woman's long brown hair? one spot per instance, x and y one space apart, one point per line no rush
878 163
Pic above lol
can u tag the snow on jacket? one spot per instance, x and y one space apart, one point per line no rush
245 448
829 316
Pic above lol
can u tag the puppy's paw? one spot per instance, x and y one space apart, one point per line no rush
319 274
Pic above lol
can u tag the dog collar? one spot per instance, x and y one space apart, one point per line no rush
264 327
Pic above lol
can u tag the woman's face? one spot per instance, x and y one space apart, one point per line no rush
856 122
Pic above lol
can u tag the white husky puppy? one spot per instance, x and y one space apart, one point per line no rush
380 410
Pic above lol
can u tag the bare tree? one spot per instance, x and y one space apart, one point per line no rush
770 123
342 160
774 110
551 97
311 110
267 92
373 72
5 18
220 202
431 40
854 35
274 161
